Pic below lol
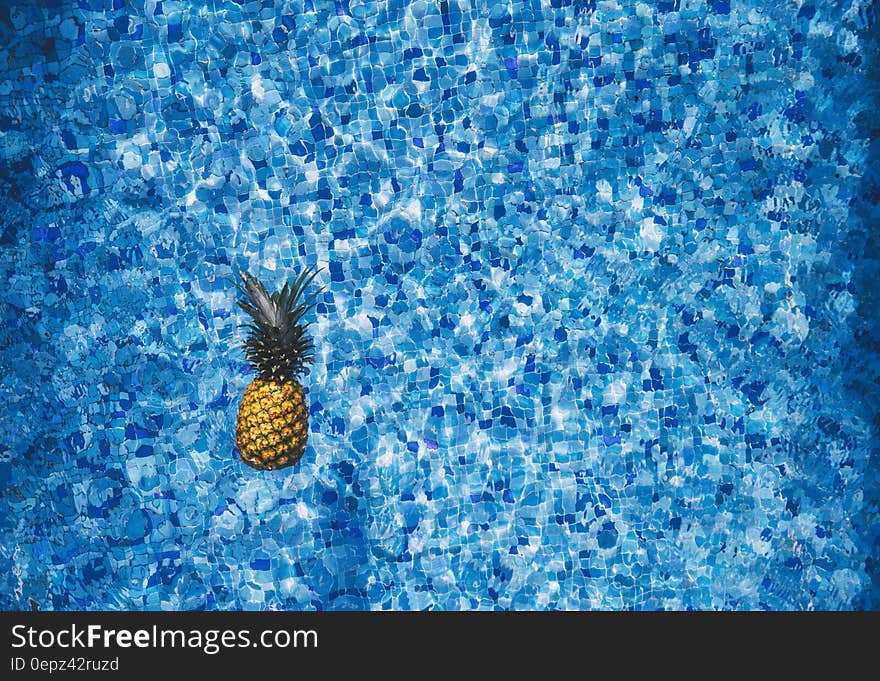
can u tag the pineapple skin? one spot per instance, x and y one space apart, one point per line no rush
273 424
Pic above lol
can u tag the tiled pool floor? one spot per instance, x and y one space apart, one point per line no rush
599 328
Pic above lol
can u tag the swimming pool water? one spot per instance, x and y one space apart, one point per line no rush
599 328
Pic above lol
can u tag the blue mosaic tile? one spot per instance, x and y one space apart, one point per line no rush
599 326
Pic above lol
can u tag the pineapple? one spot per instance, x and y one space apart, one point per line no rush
273 418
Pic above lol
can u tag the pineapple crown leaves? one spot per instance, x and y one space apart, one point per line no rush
277 343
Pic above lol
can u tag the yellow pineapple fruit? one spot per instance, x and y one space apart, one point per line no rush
273 418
